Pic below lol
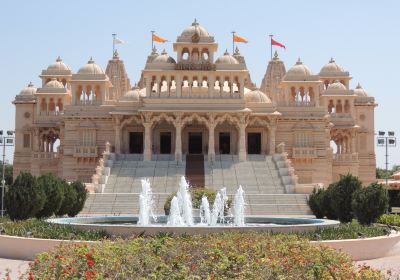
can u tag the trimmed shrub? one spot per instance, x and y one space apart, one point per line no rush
81 195
24 197
390 219
369 203
316 203
53 190
341 196
327 205
70 197
229 255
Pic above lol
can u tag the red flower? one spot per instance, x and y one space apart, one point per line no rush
94 272
53 264
88 255
30 277
88 274
90 262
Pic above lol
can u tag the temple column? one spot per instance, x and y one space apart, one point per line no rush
242 141
117 136
353 142
211 139
158 86
147 141
272 137
211 84
178 83
178 141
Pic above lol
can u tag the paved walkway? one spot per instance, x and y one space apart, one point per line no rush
15 267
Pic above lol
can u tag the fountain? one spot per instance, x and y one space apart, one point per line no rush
181 219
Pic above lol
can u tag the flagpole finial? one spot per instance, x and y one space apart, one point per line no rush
276 56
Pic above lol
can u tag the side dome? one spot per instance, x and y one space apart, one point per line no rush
28 90
91 68
336 85
54 84
195 29
59 65
164 58
256 96
132 95
360 91
226 59
298 71
331 68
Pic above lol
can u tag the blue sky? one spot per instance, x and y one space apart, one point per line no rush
363 36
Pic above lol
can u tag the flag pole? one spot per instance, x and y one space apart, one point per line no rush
152 41
233 42
114 36
271 35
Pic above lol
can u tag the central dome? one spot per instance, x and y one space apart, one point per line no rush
256 96
298 71
59 65
91 68
195 28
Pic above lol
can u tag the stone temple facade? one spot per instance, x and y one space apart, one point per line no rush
195 103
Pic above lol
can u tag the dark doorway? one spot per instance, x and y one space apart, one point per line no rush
165 142
224 143
254 143
135 142
195 143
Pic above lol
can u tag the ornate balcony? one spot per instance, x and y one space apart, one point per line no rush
85 151
345 158
45 156
304 152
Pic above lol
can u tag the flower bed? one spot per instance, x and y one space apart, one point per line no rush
216 256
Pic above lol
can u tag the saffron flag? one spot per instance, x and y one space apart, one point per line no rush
239 39
158 39
276 43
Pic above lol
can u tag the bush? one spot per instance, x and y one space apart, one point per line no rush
369 203
391 220
230 255
53 190
341 196
316 203
327 205
24 198
197 194
70 196
81 195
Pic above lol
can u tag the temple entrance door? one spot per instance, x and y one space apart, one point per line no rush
254 143
195 143
165 142
224 143
135 142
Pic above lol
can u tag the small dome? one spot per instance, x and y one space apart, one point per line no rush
226 59
337 86
91 68
298 70
132 95
54 84
256 96
331 67
59 65
163 58
195 28
360 91
29 90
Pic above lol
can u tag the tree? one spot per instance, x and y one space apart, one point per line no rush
53 189
369 203
341 196
81 195
316 203
70 196
24 198
8 174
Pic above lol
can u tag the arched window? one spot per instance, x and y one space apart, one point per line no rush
205 54
60 105
339 108
185 54
293 93
347 106
52 105
195 54
331 106
43 105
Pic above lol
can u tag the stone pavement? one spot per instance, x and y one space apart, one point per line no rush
16 268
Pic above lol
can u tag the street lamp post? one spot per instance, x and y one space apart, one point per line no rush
386 141
5 141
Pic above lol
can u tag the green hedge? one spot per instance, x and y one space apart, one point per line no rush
230 255
391 220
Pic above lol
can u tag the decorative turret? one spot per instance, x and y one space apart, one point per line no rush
273 76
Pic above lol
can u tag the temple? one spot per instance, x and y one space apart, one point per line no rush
195 106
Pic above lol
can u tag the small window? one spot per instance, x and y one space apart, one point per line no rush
27 140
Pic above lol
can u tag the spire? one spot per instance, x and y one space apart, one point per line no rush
332 60
358 86
237 52
164 52
154 50
30 84
299 61
276 56
91 61
195 23
226 52
58 59
115 54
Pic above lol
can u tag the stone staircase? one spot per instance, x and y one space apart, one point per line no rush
268 182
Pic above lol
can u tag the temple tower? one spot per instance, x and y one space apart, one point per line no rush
272 78
119 78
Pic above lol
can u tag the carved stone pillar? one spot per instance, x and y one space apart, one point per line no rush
147 141
178 84
242 141
178 140
117 135
272 137
211 84
211 138
353 142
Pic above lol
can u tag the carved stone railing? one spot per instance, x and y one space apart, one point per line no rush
301 104
45 156
85 151
286 170
345 158
304 152
100 178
